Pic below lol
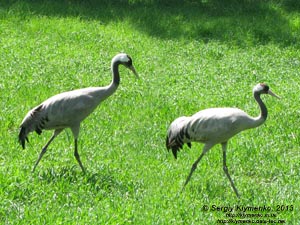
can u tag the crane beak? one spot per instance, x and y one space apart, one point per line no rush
273 94
134 71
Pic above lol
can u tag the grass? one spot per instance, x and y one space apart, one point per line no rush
190 55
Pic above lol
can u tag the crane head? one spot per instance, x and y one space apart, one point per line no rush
126 60
264 89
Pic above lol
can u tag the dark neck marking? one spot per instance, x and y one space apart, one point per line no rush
116 74
263 108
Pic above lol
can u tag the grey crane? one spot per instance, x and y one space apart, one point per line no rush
69 109
215 126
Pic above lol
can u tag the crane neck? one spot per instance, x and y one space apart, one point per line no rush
115 72
112 87
101 93
263 110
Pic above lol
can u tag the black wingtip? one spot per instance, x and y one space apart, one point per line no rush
22 137
175 148
174 151
167 143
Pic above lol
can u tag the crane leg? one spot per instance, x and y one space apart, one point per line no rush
194 166
44 149
224 147
77 156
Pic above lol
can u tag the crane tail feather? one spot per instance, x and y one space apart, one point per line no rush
174 151
169 146
23 137
167 143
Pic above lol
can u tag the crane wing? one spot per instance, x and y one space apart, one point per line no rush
34 120
217 125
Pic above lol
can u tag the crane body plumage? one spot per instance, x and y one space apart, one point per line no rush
69 109
63 110
214 126
218 124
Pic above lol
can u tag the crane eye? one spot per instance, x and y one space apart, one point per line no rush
266 88
129 60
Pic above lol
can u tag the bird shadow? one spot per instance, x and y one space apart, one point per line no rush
104 180
235 21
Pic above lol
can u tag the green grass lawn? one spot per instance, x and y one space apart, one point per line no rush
190 55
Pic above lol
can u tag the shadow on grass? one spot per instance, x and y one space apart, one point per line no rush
241 22
104 180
